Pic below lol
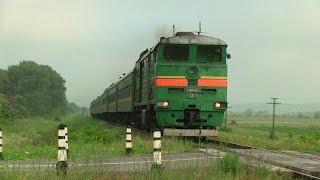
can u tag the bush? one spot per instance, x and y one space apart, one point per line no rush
3 107
316 135
31 89
13 109
225 129
290 135
90 134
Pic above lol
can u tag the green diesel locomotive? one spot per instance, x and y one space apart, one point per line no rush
179 86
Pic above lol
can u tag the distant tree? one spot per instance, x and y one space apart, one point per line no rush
316 115
84 109
248 112
4 81
34 89
3 106
262 113
72 107
301 115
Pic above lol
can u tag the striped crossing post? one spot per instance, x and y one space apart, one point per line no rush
66 137
128 141
1 154
62 151
157 149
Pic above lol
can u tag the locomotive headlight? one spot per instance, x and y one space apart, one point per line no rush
163 104
220 105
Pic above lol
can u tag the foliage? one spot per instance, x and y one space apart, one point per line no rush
36 138
72 108
4 107
293 134
33 89
225 129
230 163
248 112
300 115
4 81
316 115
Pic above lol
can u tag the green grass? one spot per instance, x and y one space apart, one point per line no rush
37 139
230 167
291 134
90 138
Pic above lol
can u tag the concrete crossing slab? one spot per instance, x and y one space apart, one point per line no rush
297 162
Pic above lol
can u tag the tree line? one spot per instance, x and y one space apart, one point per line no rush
31 89
263 113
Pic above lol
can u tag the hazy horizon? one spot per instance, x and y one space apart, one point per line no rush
273 44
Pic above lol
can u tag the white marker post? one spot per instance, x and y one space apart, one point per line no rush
1 154
157 149
66 137
62 151
128 141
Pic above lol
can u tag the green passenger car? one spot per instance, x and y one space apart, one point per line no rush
179 86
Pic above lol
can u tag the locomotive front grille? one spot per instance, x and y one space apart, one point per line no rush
191 116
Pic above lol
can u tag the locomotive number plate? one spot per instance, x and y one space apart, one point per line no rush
192 90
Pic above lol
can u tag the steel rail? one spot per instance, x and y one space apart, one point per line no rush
241 146
297 171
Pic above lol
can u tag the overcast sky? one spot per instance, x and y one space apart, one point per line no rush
275 45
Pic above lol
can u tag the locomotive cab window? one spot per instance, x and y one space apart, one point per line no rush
209 53
176 52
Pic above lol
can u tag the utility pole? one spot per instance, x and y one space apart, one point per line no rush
199 32
173 30
272 135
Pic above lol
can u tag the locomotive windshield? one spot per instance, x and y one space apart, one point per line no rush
209 53
176 52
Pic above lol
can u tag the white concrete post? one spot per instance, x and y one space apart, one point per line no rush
157 149
128 141
1 154
62 151
66 137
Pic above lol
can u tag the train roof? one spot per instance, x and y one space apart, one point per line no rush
184 38
191 38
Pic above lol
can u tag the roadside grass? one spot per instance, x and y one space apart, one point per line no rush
90 138
37 139
291 134
229 167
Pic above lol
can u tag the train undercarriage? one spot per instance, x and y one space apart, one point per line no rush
146 120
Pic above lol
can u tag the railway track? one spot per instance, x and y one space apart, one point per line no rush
241 146
306 166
